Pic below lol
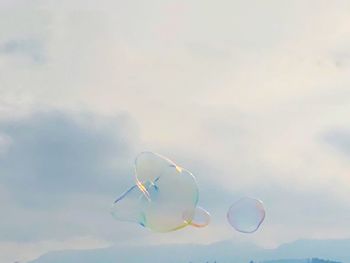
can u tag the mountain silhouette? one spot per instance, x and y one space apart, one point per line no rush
221 252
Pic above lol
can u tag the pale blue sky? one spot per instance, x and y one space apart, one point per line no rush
253 97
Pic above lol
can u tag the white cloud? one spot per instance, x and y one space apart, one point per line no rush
245 89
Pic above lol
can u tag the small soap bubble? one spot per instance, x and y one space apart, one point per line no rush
246 215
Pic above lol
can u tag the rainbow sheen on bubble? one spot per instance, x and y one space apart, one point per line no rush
197 218
246 215
164 198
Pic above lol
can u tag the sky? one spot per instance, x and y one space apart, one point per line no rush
253 97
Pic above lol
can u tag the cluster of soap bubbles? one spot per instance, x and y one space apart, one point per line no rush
165 198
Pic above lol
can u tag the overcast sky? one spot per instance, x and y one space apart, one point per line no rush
253 97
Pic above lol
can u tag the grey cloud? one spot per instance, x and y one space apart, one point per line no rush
52 154
339 139
30 48
61 173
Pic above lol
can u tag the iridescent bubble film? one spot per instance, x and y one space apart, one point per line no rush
246 215
198 218
164 197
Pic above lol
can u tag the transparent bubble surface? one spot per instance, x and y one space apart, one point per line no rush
197 218
150 166
128 207
246 215
164 198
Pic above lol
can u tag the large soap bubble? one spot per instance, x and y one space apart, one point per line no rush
246 215
164 198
